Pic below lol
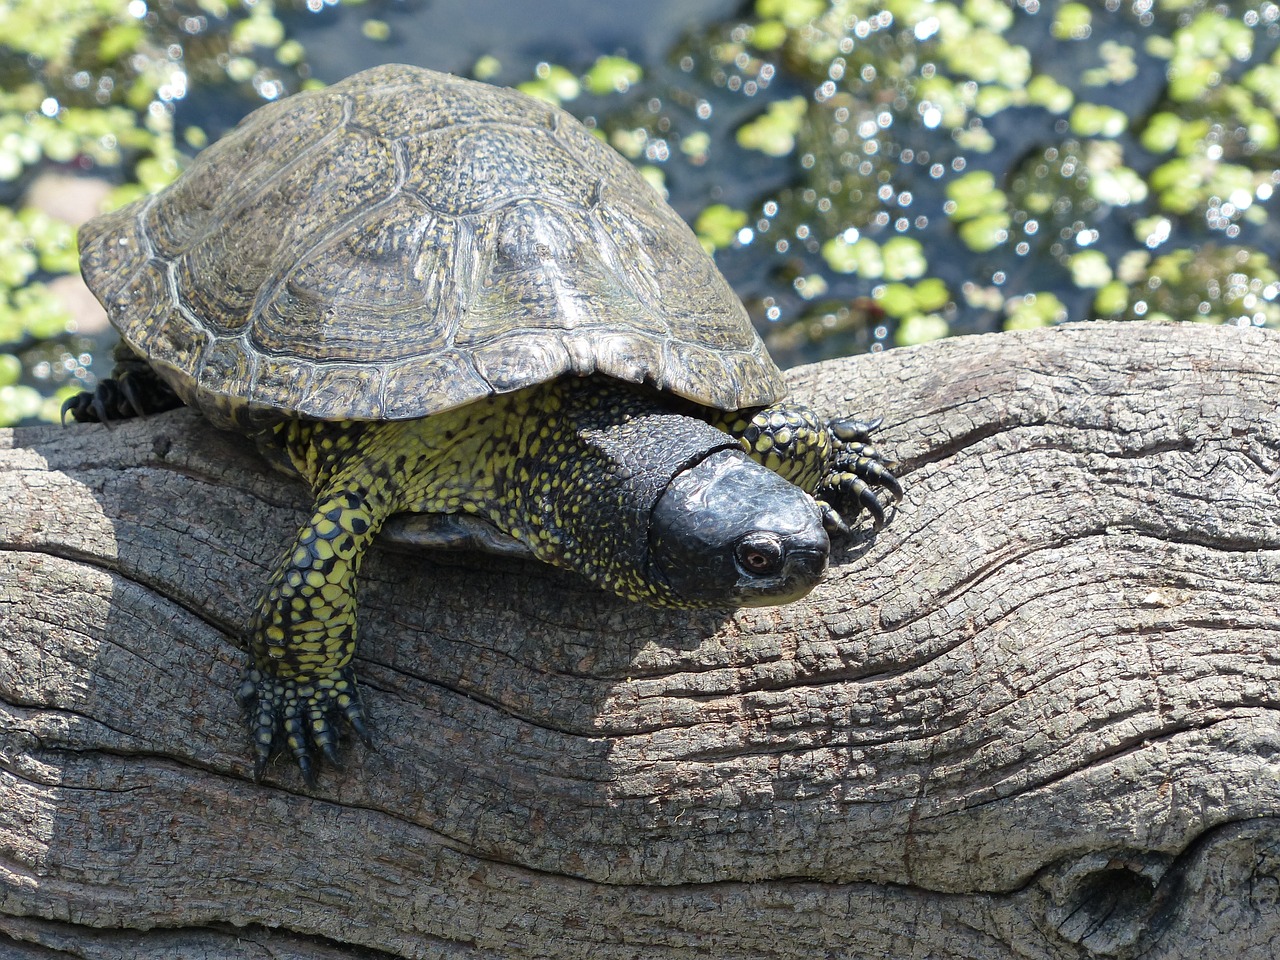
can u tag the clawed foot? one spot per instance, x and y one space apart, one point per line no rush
857 469
302 716
121 398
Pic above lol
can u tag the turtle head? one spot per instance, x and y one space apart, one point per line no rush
729 532
665 509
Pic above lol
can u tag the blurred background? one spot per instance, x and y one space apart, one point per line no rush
868 175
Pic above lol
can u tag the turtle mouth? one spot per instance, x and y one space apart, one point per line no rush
803 568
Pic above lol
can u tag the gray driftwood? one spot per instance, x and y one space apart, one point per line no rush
1038 716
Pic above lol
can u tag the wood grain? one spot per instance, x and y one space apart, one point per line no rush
1038 715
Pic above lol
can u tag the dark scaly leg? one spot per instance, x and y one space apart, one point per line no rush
855 469
303 638
133 390
833 460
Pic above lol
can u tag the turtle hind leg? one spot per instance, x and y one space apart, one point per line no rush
133 390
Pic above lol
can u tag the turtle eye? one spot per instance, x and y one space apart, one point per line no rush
758 555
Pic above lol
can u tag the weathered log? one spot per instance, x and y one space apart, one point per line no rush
1038 715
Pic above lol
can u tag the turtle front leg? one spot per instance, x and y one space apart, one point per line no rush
833 460
853 471
303 637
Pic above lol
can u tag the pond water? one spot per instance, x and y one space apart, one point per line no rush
867 174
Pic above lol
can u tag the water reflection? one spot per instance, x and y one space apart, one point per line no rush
1048 162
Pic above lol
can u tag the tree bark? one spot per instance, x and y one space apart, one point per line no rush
1036 716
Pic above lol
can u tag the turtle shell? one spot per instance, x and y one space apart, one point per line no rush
404 242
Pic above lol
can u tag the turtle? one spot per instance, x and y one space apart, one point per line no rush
426 295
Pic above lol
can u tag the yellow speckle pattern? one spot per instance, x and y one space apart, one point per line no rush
831 460
789 438
515 459
554 466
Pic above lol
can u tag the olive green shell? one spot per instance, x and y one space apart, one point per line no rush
405 242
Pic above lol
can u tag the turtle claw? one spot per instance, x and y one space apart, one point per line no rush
330 750
362 730
301 716
86 407
131 393
871 503
855 471
261 722
849 430
874 470
848 495
832 521
106 402
99 409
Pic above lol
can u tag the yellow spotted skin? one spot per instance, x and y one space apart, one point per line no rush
788 438
556 467
569 469
303 636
